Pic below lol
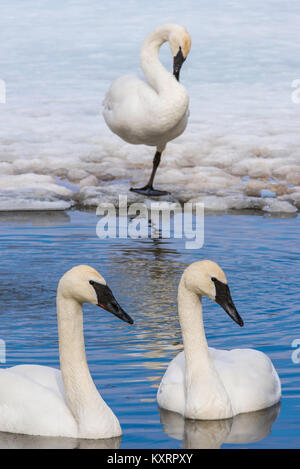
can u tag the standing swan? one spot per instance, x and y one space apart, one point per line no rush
39 400
208 384
156 112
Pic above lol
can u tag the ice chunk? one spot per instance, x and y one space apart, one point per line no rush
278 206
76 174
33 192
29 202
89 181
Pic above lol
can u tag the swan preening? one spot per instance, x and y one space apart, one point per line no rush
39 400
156 112
208 384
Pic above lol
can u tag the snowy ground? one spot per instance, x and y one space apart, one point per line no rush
241 149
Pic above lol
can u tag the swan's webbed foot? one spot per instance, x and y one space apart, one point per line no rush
148 191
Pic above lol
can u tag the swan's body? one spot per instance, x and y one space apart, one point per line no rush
40 400
248 376
154 112
208 384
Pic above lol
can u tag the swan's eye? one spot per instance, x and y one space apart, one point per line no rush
213 279
91 282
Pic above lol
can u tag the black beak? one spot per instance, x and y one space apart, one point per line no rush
223 298
107 301
178 61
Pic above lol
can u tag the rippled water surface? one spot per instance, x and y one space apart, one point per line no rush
261 258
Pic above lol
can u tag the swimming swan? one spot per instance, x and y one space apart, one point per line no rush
156 112
39 400
208 384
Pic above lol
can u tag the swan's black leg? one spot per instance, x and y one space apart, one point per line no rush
148 188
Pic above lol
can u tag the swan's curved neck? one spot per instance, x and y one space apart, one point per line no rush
83 398
155 72
197 357
201 376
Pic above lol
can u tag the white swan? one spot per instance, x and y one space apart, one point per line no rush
39 400
156 112
208 384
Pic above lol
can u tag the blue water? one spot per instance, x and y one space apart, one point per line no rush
260 256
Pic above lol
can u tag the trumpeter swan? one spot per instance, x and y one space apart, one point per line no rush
156 112
208 384
39 400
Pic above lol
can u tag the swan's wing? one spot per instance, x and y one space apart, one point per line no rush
249 377
46 376
126 90
128 108
170 394
31 406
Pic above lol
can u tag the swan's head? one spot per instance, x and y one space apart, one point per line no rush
206 278
180 44
85 285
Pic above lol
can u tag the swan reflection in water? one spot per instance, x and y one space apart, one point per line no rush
36 218
17 441
207 434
